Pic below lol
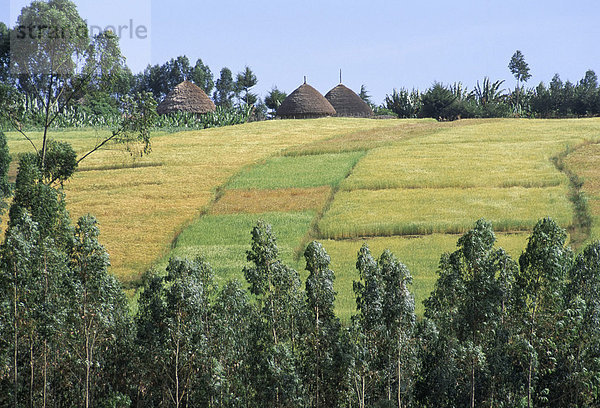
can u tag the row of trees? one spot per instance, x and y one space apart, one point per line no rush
489 100
496 332
226 90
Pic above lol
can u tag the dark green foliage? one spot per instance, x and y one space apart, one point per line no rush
364 95
490 99
243 82
539 294
520 69
100 324
61 162
173 335
384 346
440 103
323 362
5 159
224 89
403 103
202 76
274 98
275 334
469 308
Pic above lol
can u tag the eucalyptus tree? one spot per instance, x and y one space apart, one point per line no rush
468 307
322 352
277 289
520 70
98 309
36 258
576 379
399 319
539 290
368 329
230 346
172 335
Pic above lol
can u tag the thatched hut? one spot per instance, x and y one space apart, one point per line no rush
186 97
305 102
347 103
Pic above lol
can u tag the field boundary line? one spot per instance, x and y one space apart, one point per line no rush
580 229
313 230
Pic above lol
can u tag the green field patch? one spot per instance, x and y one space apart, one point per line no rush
425 211
421 254
224 239
464 165
298 171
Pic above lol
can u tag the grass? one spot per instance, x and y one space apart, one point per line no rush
361 140
585 162
298 171
224 239
424 211
282 200
142 209
421 254
463 165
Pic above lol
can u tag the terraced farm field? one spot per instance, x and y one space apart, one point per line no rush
409 185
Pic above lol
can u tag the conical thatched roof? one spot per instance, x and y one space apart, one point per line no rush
347 103
186 97
305 102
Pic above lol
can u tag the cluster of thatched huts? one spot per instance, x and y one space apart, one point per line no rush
304 102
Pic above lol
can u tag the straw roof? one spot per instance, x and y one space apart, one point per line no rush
186 97
305 102
347 103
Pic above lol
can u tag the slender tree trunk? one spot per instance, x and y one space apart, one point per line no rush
399 382
87 351
45 349
318 357
473 383
16 341
177 346
31 370
45 390
46 122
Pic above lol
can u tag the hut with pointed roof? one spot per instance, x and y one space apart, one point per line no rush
348 103
305 102
186 97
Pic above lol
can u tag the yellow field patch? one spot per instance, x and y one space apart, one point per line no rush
478 164
280 200
423 211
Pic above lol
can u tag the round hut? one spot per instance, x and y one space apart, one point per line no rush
347 103
186 97
305 102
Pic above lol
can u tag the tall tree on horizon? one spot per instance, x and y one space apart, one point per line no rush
520 69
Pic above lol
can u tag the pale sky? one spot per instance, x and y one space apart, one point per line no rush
382 44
